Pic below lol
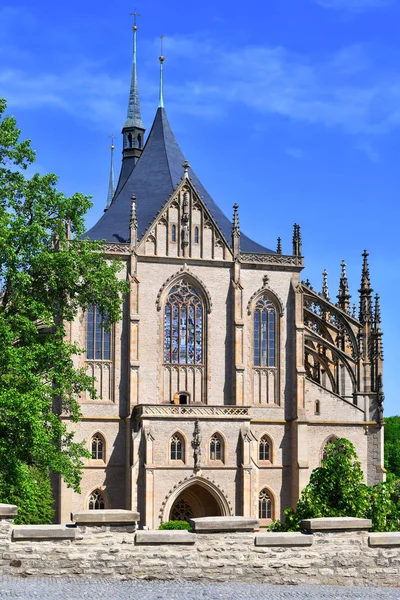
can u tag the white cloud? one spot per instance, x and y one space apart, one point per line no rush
353 5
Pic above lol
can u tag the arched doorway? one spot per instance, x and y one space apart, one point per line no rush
198 498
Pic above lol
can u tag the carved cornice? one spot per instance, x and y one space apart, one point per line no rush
115 248
272 259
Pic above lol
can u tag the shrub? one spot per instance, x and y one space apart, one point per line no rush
176 525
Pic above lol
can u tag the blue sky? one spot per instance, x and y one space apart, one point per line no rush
291 108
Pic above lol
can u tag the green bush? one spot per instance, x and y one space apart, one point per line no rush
336 489
30 490
175 525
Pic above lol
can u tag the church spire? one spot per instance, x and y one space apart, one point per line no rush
133 130
161 59
365 292
111 189
343 295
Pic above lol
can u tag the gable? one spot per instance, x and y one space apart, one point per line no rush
184 228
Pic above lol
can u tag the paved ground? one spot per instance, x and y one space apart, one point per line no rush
79 589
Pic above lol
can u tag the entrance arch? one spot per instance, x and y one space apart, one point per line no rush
196 498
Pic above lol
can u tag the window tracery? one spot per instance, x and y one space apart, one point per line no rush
183 326
98 447
176 447
216 447
264 319
96 501
264 449
98 339
264 505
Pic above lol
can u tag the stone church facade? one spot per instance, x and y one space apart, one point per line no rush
227 375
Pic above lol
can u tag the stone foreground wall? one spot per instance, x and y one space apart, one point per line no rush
119 551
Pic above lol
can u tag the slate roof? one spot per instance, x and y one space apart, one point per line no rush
152 180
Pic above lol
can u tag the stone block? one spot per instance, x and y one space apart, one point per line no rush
335 524
384 538
164 537
286 538
105 517
8 511
43 532
216 524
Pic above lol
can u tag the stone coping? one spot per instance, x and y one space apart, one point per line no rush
105 517
284 538
43 532
384 538
216 524
164 537
335 524
8 511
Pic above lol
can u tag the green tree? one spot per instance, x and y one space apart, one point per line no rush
47 272
336 489
392 445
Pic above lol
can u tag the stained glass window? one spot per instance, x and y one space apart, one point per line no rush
98 340
176 448
96 501
264 505
216 447
183 326
264 449
264 333
97 447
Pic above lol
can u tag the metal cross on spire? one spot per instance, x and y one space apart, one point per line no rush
134 15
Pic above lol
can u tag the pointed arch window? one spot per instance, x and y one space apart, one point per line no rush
216 448
176 447
330 440
183 326
98 339
96 501
98 447
264 320
264 505
196 235
173 233
264 449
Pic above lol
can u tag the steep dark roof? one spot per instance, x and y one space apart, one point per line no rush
152 180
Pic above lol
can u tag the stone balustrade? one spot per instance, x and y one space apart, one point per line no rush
334 551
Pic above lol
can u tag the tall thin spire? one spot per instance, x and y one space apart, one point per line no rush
111 188
161 59
365 292
133 118
343 295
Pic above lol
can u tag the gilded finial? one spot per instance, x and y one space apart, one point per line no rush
134 15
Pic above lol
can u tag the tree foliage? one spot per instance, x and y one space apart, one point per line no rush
336 489
392 445
47 272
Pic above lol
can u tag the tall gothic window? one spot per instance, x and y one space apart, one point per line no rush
264 505
183 326
176 447
264 449
216 448
196 235
264 333
96 501
98 340
98 447
173 233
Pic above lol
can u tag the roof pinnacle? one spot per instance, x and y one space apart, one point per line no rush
133 118
365 292
343 295
325 288
161 59
111 188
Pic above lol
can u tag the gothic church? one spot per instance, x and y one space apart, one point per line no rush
227 375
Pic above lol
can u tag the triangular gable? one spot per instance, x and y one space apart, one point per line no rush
185 228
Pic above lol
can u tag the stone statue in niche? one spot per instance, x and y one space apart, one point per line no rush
196 445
